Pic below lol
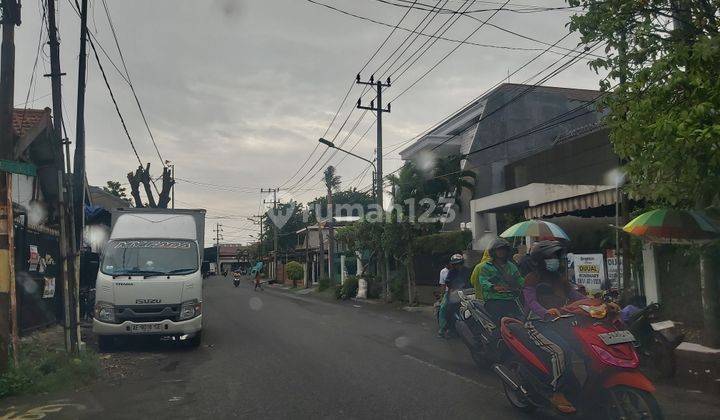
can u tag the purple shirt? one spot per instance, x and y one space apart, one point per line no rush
530 295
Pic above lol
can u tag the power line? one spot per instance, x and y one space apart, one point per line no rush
112 97
521 9
362 94
129 81
342 103
495 46
448 54
554 73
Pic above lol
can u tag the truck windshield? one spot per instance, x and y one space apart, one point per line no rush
149 257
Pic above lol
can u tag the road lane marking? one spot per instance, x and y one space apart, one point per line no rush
448 372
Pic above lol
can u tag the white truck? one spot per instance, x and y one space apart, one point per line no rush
150 280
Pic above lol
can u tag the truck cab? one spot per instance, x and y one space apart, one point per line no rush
150 280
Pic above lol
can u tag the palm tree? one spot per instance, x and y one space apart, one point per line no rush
453 179
332 183
406 184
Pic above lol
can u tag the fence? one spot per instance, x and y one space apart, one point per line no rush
38 280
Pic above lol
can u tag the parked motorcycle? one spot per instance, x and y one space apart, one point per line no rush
612 388
477 330
656 339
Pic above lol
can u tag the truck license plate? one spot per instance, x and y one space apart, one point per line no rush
617 337
146 328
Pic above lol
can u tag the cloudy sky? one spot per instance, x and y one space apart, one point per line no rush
237 92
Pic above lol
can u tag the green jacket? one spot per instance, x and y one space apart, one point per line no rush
487 274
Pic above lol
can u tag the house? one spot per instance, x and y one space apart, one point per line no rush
35 185
537 152
308 248
505 124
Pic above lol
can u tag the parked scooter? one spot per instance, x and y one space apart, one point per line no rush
613 387
477 330
656 339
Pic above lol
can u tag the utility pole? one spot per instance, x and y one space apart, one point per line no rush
10 19
379 110
217 230
274 192
261 222
308 271
173 186
79 158
70 268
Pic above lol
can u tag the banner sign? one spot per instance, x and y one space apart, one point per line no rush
614 273
34 258
49 289
589 270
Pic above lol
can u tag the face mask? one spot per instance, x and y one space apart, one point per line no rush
552 264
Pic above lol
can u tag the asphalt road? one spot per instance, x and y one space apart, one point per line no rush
277 354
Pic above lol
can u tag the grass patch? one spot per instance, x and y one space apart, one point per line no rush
44 367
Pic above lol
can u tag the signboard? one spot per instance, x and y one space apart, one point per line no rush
614 273
34 258
15 167
589 271
49 289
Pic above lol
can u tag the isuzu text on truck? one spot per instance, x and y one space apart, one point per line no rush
150 280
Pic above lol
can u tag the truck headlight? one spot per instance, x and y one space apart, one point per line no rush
105 312
190 309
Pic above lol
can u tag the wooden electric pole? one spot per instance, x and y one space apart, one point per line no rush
79 158
70 267
10 19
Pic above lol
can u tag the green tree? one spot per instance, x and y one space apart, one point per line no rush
287 236
295 271
116 189
451 180
664 120
663 97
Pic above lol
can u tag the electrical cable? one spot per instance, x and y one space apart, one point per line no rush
129 81
342 103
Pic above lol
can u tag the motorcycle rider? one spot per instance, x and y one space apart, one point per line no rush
457 279
499 282
547 289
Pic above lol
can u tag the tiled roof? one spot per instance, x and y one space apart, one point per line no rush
25 119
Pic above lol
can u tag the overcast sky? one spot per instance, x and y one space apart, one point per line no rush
237 92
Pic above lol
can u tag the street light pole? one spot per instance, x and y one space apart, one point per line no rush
332 145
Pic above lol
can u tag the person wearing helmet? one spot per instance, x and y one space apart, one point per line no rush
498 281
457 279
547 289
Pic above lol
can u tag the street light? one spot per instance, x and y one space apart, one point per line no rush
332 145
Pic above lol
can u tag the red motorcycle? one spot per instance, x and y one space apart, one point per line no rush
610 384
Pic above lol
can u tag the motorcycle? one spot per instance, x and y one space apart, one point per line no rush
478 332
656 339
236 280
613 387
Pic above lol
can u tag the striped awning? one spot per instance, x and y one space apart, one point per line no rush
568 205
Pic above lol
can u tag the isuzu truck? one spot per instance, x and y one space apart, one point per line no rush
150 280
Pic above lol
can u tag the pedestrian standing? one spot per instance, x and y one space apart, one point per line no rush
443 299
258 283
